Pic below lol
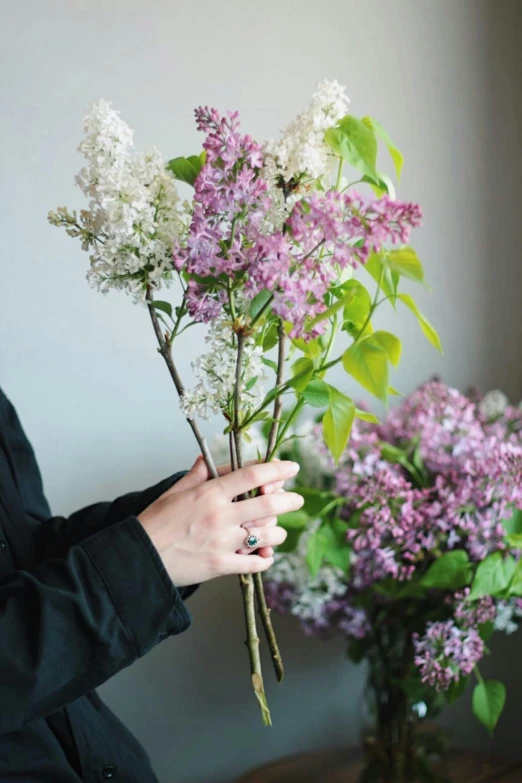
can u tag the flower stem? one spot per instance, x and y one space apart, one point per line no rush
165 349
246 581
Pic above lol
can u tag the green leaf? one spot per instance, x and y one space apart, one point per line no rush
384 186
269 363
366 416
314 553
165 307
311 348
357 303
357 650
514 523
515 583
303 369
456 689
293 520
317 393
374 265
258 302
384 136
491 577
355 143
367 362
187 169
405 262
427 329
291 542
337 422
391 344
449 572
489 698
317 502
270 337
393 391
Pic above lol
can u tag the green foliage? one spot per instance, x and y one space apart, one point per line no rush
337 422
391 344
489 698
165 307
327 544
493 576
427 329
384 136
357 303
318 502
259 301
404 261
366 416
353 141
317 393
302 369
293 520
456 689
513 524
383 275
187 169
367 361
449 572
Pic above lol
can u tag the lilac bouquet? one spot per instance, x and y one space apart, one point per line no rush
263 259
410 547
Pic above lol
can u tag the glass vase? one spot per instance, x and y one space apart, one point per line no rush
402 743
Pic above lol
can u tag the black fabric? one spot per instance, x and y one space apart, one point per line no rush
80 598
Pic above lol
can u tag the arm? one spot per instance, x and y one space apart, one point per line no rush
70 623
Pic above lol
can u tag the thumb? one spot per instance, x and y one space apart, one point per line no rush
197 474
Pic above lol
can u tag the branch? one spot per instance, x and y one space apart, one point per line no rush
165 349
246 581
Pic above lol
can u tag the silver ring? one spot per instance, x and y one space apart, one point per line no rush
252 541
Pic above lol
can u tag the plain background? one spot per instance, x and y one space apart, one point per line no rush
444 77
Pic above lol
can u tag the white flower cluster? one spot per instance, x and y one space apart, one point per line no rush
508 613
493 404
312 594
216 373
301 150
133 215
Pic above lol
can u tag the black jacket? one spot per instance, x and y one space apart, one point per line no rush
80 598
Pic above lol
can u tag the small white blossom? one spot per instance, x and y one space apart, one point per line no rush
508 612
301 150
493 404
133 216
216 373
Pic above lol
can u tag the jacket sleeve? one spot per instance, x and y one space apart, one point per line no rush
53 536
72 622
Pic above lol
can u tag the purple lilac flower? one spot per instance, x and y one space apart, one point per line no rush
446 652
472 614
231 232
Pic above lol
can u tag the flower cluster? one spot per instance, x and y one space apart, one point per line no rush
439 476
216 373
300 154
133 216
233 245
446 652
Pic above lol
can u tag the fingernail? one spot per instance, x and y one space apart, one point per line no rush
295 467
268 488
301 501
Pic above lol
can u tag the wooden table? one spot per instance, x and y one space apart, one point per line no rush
342 765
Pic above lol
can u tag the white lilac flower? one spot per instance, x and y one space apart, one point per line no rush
133 217
216 374
301 150
493 404
508 612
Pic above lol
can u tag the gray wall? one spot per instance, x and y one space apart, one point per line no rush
443 77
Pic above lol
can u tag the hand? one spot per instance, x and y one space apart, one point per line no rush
199 473
197 527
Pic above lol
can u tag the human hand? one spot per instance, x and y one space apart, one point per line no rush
199 531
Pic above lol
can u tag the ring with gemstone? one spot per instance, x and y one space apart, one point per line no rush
252 541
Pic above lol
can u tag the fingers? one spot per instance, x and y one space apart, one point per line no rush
248 564
264 551
268 536
265 506
272 521
267 489
253 476
197 475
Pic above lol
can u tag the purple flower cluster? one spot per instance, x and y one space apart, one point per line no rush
441 473
446 652
234 242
